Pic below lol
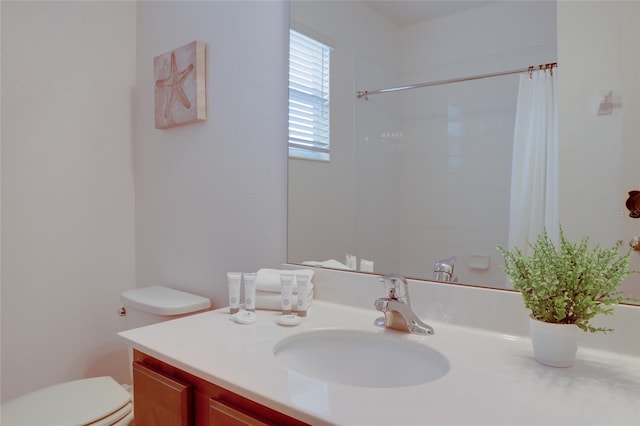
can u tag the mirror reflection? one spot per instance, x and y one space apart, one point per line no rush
421 181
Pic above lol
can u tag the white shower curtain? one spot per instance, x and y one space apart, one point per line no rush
534 170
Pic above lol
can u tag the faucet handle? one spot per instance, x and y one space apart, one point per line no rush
396 286
393 281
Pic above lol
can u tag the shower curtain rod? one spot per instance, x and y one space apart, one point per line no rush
365 93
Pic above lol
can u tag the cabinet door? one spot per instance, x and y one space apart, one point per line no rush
159 400
221 414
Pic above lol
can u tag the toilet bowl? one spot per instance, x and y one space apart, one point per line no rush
101 401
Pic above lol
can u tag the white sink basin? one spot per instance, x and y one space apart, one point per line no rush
358 358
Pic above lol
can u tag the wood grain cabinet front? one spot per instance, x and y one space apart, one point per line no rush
168 396
160 400
221 414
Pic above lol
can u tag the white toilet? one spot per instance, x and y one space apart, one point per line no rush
101 401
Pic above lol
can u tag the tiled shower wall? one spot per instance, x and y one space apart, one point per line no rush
450 145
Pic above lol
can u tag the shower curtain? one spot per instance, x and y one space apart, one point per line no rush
534 170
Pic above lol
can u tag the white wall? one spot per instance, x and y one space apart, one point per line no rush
67 189
211 197
599 49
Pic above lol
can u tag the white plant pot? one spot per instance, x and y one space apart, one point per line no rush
554 345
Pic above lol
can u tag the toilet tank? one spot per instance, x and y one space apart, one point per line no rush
150 305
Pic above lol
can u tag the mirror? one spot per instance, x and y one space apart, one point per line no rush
423 175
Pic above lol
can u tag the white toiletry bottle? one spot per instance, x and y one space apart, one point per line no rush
304 287
249 280
286 285
233 280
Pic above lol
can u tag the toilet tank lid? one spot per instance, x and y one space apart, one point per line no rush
163 301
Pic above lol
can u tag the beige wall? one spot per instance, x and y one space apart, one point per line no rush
67 189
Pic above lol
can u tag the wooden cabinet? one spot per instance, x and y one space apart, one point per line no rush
167 396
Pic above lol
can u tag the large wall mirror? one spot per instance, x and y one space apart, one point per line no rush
423 175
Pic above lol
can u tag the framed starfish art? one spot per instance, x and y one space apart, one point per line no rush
180 86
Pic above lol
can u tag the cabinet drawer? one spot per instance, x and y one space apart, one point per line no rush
221 414
159 400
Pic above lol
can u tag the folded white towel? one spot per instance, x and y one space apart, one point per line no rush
269 279
366 265
332 263
273 301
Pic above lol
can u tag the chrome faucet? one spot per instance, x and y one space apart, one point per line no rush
397 308
443 270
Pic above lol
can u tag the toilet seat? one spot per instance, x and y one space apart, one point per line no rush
96 401
122 416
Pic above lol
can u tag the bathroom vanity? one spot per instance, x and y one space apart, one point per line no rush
236 372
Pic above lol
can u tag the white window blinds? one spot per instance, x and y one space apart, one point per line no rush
308 98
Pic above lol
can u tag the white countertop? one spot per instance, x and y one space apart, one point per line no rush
493 378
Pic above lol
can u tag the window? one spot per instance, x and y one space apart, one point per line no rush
308 98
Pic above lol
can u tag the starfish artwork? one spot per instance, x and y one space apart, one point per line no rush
180 86
174 83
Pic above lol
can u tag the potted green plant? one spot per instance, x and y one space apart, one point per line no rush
564 287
